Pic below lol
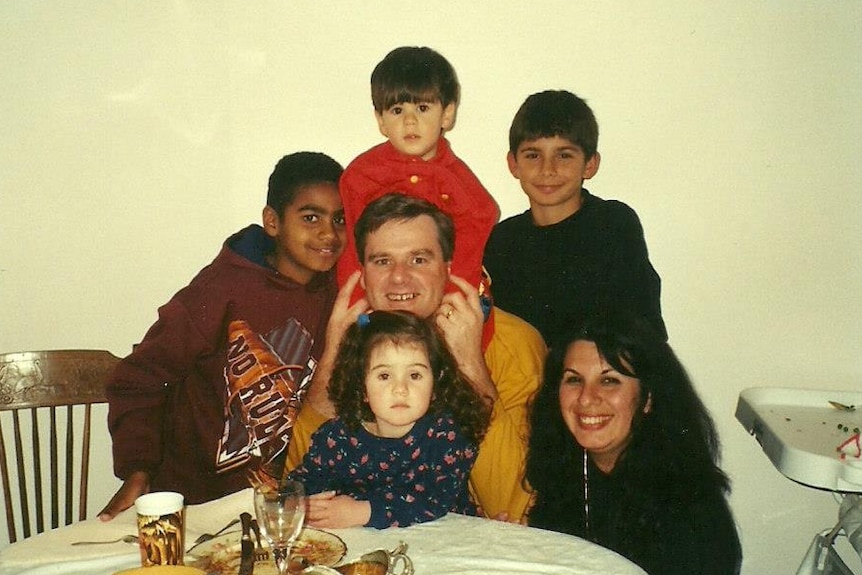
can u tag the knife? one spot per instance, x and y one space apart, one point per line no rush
246 565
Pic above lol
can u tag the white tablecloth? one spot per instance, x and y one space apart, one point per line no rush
454 544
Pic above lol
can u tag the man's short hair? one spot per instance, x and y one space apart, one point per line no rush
397 207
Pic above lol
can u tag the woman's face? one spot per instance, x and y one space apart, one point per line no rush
598 403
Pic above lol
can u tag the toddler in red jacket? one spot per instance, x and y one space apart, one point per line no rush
415 93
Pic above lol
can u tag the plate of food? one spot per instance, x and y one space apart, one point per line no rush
222 554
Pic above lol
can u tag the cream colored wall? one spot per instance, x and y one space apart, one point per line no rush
137 135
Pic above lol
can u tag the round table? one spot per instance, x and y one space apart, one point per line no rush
454 544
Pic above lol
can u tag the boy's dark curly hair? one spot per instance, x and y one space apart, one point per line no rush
453 395
296 171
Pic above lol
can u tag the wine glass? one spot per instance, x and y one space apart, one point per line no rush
280 513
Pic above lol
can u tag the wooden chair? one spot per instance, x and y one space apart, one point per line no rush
48 383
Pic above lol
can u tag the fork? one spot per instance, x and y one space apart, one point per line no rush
260 554
208 536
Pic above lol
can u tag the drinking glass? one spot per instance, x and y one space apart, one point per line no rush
280 513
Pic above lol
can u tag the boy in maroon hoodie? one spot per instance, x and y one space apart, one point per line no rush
212 391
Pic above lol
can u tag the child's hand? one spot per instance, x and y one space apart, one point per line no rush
134 486
332 511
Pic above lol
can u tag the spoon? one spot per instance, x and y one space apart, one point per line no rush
124 539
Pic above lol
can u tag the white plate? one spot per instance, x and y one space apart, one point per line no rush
222 554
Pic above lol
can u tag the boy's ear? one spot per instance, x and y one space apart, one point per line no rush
513 165
380 125
271 221
592 166
449 113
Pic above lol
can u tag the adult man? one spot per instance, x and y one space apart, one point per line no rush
405 246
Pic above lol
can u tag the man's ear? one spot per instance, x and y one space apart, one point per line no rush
380 125
271 221
592 166
513 165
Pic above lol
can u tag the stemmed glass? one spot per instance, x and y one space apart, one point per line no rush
280 513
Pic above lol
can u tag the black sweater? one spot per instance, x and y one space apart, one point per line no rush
667 525
553 276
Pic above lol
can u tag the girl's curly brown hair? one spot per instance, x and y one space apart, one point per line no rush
452 394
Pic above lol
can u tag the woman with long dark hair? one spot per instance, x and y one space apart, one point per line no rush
623 452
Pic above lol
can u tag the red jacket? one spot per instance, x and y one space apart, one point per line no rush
444 180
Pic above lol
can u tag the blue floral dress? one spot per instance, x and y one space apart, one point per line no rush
411 479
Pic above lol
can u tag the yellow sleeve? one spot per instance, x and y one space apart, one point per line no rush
515 358
307 422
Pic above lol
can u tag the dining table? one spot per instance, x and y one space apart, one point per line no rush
453 544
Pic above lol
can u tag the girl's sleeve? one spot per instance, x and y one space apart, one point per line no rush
316 471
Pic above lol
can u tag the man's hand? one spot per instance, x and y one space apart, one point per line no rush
342 317
461 321
332 511
133 487
343 314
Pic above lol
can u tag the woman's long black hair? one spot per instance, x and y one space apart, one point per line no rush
673 450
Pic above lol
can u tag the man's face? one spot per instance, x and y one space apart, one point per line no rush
403 267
